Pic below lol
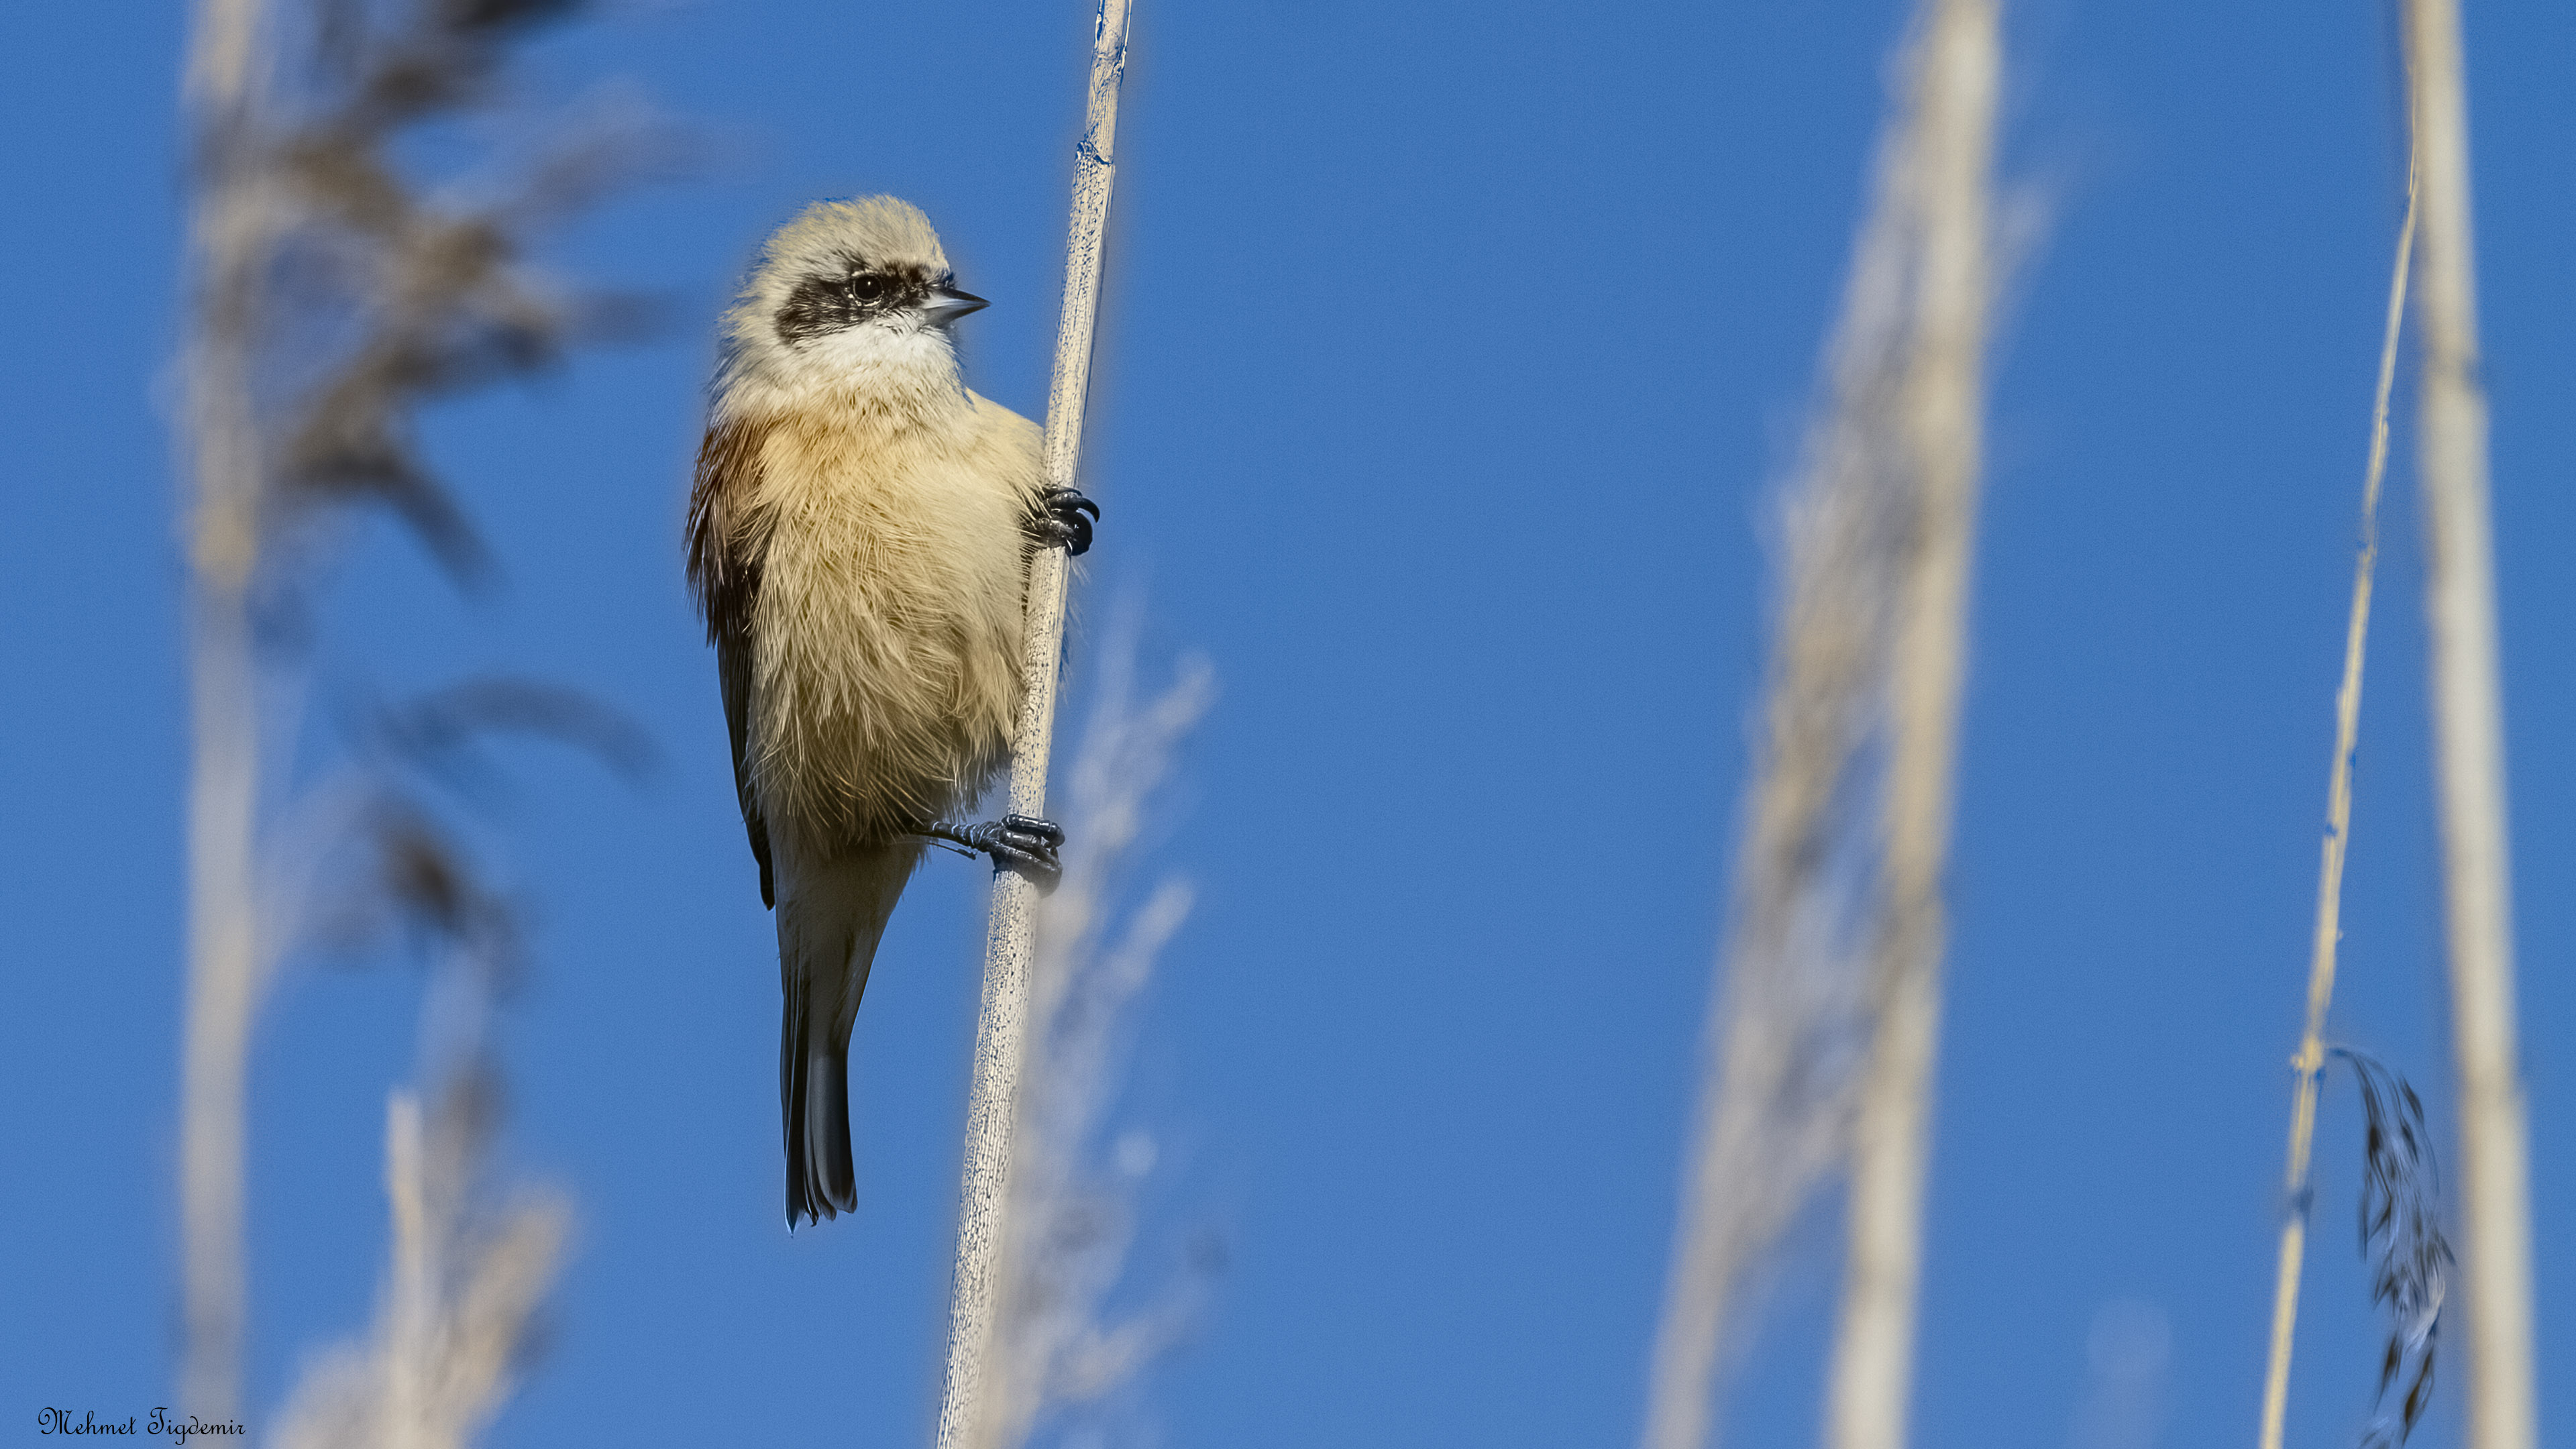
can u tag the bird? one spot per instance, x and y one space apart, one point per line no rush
858 541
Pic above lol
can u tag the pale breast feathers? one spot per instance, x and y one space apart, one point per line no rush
894 563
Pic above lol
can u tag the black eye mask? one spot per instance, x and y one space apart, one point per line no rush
821 305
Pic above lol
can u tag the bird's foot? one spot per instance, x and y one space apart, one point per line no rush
1023 842
1060 521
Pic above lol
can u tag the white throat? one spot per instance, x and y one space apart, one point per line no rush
903 366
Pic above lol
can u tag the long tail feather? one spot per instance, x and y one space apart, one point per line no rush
831 913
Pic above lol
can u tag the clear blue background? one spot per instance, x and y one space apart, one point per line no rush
1452 352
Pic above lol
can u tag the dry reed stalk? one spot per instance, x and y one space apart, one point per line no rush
1949 165
2468 718
1010 941
332 294
231 240
2310 1063
1070 1227
1827 1010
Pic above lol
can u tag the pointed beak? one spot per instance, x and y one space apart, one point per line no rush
946 304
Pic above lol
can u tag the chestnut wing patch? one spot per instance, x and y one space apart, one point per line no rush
724 575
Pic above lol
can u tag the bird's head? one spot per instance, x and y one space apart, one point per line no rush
851 291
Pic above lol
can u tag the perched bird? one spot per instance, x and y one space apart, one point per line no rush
858 539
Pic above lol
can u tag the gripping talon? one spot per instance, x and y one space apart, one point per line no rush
1043 829
1015 842
1061 520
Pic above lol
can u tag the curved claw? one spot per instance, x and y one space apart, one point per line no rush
1061 520
1043 829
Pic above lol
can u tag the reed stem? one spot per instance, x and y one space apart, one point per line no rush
1942 410
230 244
2310 1063
1001 1029
2468 727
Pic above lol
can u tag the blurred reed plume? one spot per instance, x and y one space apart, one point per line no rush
1821 1033
455 1321
1058 1349
335 291
471 1260
2467 689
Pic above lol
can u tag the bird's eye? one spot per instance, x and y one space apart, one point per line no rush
867 287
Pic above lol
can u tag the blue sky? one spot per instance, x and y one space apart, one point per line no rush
1451 355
